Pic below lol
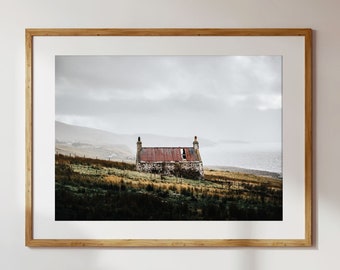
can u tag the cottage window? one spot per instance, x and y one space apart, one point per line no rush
184 156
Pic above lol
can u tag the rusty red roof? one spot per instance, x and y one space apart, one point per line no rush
167 154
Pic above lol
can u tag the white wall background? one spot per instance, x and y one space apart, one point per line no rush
321 15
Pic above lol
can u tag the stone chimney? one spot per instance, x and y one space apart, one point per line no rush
139 144
139 148
195 143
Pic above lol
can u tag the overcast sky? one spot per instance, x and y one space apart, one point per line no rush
215 97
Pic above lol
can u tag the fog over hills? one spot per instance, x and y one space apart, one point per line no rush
95 143
225 155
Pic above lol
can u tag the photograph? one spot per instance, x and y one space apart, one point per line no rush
168 138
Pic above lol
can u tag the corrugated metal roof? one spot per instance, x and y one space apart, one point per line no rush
167 154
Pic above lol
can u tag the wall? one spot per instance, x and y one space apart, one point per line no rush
322 16
183 169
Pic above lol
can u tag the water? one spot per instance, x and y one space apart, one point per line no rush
255 156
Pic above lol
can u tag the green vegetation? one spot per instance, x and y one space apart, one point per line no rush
91 189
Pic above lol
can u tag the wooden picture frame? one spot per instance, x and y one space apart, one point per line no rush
305 38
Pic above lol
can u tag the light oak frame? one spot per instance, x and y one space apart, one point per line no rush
29 237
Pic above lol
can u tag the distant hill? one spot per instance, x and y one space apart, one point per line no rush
95 143
90 142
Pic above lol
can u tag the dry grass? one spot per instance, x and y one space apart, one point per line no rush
216 183
238 177
89 186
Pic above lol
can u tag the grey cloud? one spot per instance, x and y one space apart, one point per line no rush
220 94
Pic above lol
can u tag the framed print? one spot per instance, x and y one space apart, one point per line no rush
168 137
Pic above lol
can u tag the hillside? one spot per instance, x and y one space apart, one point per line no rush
95 143
93 189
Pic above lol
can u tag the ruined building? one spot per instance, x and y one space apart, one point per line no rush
179 161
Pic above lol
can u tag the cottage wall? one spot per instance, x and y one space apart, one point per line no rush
171 168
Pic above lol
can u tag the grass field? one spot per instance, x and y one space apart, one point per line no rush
91 189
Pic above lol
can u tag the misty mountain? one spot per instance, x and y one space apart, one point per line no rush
95 143
77 134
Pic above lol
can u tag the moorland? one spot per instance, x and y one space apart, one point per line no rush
94 189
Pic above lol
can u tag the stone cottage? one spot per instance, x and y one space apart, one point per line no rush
179 161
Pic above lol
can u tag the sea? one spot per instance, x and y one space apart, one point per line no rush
246 155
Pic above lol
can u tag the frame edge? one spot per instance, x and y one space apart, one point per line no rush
29 138
29 239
